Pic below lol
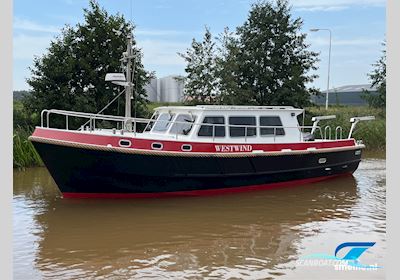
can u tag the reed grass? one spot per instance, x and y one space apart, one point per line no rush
24 154
372 133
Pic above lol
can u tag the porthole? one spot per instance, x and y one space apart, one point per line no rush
124 143
186 147
322 160
156 146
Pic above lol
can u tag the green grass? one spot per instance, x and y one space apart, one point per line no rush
373 133
24 154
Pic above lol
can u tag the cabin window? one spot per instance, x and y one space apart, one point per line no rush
183 124
270 121
151 122
125 143
186 147
248 128
157 146
209 130
163 122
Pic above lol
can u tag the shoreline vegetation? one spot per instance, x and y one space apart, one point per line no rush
373 133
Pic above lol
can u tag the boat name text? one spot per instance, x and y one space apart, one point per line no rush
233 148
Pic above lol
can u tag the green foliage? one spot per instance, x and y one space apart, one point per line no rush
20 94
200 84
24 154
70 76
273 57
378 79
373 133
266 62
21 117
228 74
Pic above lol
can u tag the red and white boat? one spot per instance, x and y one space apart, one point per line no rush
191 150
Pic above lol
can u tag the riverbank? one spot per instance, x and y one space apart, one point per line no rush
373 133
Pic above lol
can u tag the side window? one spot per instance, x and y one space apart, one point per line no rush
240 131
270 121
207 130
163 122
183 124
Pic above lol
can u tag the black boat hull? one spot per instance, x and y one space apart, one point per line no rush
82 172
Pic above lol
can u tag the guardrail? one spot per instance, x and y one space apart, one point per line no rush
91 121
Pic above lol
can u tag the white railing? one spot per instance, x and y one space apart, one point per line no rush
91 118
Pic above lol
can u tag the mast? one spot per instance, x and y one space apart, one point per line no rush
125 80
128 56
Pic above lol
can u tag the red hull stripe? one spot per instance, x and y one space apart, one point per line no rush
168 145
292 183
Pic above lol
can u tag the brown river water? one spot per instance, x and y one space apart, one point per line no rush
254 235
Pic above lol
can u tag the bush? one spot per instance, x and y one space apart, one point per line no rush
24 154
373 133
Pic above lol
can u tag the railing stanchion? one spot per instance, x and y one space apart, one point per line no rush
91 122
338 128
213 134
134 127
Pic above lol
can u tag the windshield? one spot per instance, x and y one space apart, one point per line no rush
163 122
151 122
183 124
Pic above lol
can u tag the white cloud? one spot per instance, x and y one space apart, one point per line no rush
159 32
160 52
334 5
322 9
28 46
29 25
361 42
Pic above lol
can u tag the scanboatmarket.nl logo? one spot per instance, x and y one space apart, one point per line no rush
348 262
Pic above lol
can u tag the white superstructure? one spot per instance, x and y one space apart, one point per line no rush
233 124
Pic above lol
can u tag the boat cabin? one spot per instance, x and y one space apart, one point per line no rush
236 124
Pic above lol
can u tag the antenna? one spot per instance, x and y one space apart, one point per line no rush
126 80
131 10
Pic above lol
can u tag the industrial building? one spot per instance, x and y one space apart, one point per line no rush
170 89
350 95
167 89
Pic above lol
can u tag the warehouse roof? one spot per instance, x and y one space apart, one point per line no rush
352 88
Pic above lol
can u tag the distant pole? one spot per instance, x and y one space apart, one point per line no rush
329 63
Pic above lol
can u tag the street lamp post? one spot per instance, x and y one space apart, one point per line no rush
329 62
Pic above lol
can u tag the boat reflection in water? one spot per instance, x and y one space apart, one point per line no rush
195 236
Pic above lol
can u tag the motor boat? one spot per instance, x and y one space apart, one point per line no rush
190 150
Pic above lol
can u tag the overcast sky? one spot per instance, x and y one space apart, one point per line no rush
165 27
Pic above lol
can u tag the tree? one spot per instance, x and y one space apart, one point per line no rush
200 83
227 70
273 58
70 76
378 79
